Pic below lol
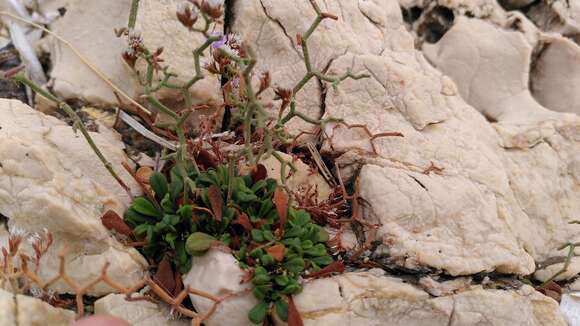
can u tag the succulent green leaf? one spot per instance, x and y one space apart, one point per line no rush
282 309
294 265
258 313
145 207
198 242
257 235
159 184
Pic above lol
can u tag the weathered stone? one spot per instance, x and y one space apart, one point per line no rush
34 312
368 298
542 146
24 310
51 180
271 26
219 274
555 76
560 16
7 309
141 313
88 26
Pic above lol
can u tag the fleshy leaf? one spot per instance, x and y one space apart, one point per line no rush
282 309
159 184
145 207
258 313
198 242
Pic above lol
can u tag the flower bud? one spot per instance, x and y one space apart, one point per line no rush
186 14
213 8
129 57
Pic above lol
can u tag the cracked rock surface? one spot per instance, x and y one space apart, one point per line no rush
89 27
24 310
50 179
541 146
363 27
369 298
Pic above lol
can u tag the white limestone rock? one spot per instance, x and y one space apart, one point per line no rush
34 312
555 77
559 16
7 309
369 298
137 313
271 25
497 87
89 27
24 310
51 180
219 274
420 213
542 147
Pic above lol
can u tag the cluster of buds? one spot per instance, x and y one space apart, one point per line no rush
135 47
187 14
212 8
230 44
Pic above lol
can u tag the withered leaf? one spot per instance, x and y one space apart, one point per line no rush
334 267
178 283
294 318
277 252
281 202
244 221
165 276
259 172
216 201
207 159
143 174
113 221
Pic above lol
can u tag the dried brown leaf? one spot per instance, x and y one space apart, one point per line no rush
259 172
165 276
244 221
334 267
143 174
216 201
277 252
207 159
281 202
112 221
294 318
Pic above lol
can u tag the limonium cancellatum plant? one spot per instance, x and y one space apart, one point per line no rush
195 207
227 202
248 214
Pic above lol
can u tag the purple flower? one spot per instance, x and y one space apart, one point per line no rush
219 43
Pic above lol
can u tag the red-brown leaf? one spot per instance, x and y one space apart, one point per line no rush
244 221
277 252
259 172
207 159
113 221
334 267
216 201
294 318
281 203
178 283
165 276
